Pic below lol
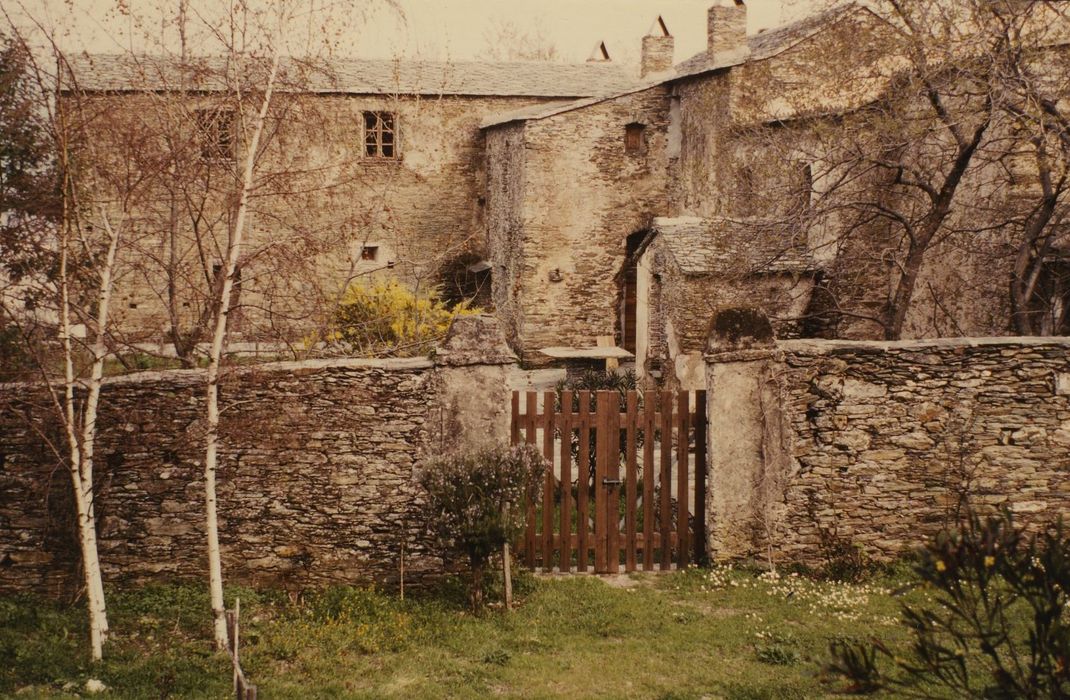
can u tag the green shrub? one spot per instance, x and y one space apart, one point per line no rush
476 502
998 628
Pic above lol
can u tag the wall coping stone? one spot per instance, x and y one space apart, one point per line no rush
289 366
819 346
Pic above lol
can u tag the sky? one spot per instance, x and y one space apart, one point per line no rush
427 29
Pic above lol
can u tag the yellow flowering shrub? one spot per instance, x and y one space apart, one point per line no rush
387 319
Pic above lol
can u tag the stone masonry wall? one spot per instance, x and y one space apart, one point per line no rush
316 481
576 196
321 201
882 443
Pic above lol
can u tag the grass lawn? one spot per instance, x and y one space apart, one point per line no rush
694 634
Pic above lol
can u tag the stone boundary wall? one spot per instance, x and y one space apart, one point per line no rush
316 480
882 443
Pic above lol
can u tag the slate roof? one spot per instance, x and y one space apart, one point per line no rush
124 73
730 247
765 44
768 43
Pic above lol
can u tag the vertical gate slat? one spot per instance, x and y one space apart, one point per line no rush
612 473
684 425
665 504
514 439
548 486
565 527
601 416
529 424
514 423
649 418
583 477
700 477
629 482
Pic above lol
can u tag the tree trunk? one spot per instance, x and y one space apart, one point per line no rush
215 568
904 293
81 445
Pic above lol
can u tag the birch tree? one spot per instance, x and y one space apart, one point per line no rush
67 266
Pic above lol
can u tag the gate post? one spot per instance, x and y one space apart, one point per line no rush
472 360
748 452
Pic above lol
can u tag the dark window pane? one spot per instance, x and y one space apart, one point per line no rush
379 139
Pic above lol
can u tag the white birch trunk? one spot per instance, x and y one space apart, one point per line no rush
81 434
215 569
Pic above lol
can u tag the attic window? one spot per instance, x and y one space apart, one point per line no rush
215 128
380 135
633 139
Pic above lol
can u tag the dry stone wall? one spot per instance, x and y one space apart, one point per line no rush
883 443
316 480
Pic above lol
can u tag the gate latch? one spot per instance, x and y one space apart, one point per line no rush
611 482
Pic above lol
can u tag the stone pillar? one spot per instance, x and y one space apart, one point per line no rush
472 367
749 457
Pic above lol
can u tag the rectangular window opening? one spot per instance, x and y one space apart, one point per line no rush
216 132
380 135
369 252
633 138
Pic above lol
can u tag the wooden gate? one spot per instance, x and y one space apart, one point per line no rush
628 482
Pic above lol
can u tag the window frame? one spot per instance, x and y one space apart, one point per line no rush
217 134
634 139
378 137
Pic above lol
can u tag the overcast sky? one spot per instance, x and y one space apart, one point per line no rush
429 29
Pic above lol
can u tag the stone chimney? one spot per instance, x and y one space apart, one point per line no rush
657 49
726 29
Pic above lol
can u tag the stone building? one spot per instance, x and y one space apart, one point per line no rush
369 168
602 204
716 183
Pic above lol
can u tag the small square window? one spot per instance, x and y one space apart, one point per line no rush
216 132
369 252
633 139
380 135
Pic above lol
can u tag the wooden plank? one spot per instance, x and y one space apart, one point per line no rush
583 478
699 535
612 489
665 483
565 528
601 454
630 476
529 425
650 401
549 488
683 429
514 423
